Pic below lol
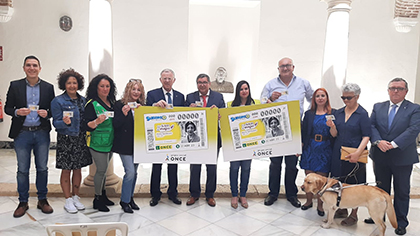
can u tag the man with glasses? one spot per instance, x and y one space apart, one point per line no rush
165 97
286 87
395 126
208 98
28 103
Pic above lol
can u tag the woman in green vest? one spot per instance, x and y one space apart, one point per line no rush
98 116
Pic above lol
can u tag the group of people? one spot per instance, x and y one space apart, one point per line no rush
92 128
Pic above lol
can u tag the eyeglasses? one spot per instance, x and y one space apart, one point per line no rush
288 66
399 89
202 82
135 80
347 98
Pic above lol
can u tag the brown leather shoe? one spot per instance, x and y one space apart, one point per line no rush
21 209
44 206
192 200
211 201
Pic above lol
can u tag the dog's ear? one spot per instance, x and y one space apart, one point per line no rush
320 182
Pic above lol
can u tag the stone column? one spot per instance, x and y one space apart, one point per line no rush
336 49
101 61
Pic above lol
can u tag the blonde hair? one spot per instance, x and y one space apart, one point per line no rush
126 95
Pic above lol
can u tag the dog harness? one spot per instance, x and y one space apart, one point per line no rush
337 188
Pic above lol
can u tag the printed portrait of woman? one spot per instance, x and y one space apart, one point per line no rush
191 135
275 129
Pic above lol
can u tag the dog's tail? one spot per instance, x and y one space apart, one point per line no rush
390 211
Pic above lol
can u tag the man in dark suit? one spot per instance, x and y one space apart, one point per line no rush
395 126
211 99
28 103
163 97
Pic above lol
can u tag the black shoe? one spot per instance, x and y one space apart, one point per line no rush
400 231
99 204
269 200
303 207
320 213
175 200
154 201
370 220
106 200
126 207
294 201
133 205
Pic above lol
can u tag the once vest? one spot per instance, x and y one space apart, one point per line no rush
102 137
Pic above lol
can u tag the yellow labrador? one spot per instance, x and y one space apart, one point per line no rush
375 199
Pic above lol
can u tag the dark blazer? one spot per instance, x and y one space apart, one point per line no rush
307 126
123 131
16 98
215 98
156 95
404 130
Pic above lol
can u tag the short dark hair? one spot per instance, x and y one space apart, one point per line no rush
203 76
31 57
399 80
92 90
66 74
190 123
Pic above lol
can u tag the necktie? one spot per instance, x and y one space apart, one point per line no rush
204 100
391 115
169 98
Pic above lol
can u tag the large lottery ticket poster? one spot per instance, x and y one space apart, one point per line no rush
264 130
178 135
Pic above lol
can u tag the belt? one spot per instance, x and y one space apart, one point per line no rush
320 138
31 128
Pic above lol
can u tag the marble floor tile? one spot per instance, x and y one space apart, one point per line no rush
241 224
184 223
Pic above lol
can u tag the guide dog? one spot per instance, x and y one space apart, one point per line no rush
375 199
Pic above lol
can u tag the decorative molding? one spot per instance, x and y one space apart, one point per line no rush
404 24
338 5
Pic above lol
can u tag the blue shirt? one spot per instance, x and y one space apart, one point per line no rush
32 98
298 89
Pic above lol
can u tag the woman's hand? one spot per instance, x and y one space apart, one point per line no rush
67 120
353 157
125 109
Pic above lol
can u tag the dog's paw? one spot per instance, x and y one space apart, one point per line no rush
326 226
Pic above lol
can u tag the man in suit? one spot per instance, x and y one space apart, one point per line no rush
285 87
395 126
209 98
28 103
162 97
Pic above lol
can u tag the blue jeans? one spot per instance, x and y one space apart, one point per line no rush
130 177
25 142
233 176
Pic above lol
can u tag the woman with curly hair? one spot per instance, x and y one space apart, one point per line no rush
72 153
97 120
123 123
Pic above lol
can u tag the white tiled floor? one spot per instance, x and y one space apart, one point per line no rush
200 219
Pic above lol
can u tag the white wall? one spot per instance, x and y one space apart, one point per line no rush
34 30
378 53
148 37
294 29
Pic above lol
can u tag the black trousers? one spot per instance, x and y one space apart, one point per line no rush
172 180
290 176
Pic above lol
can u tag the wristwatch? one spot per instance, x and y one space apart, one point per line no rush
376 142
